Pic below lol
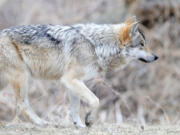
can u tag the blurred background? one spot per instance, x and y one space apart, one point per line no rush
143 93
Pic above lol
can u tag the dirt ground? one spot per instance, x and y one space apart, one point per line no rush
104 129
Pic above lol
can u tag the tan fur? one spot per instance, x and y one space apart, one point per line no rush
130 21
42 63
124 34
125 31
147 49
17 50
16 86
78 69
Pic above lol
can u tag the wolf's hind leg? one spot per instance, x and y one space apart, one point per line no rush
74 110
20 85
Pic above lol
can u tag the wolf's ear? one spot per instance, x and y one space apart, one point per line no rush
127 32
134 29
131 20
133 25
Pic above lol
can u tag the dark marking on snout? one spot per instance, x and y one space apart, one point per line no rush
149 61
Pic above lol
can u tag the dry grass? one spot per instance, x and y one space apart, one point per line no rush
145 93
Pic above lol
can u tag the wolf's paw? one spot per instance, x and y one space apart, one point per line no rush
77 120
88 119
79 125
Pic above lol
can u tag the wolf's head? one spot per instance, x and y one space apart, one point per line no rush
133 42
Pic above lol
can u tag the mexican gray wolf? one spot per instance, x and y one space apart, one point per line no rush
69 54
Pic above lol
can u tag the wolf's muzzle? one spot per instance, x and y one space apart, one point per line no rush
149 60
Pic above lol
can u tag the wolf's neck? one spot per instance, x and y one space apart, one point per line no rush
105 44
102 38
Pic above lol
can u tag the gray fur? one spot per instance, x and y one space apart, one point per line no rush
50 36
101 38
70 54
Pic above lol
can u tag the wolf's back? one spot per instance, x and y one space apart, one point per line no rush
29 34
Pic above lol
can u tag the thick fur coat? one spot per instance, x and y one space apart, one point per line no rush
70 54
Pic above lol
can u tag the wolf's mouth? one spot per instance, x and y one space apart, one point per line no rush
143 60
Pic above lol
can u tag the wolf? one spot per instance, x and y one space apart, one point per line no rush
70 55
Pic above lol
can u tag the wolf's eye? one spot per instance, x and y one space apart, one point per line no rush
141 44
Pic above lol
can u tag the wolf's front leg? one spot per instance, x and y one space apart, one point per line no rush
79 89
74 110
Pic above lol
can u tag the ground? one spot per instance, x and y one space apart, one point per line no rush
104 129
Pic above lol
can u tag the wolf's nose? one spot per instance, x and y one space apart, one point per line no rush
156 57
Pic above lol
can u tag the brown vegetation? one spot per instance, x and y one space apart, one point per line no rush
145 93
